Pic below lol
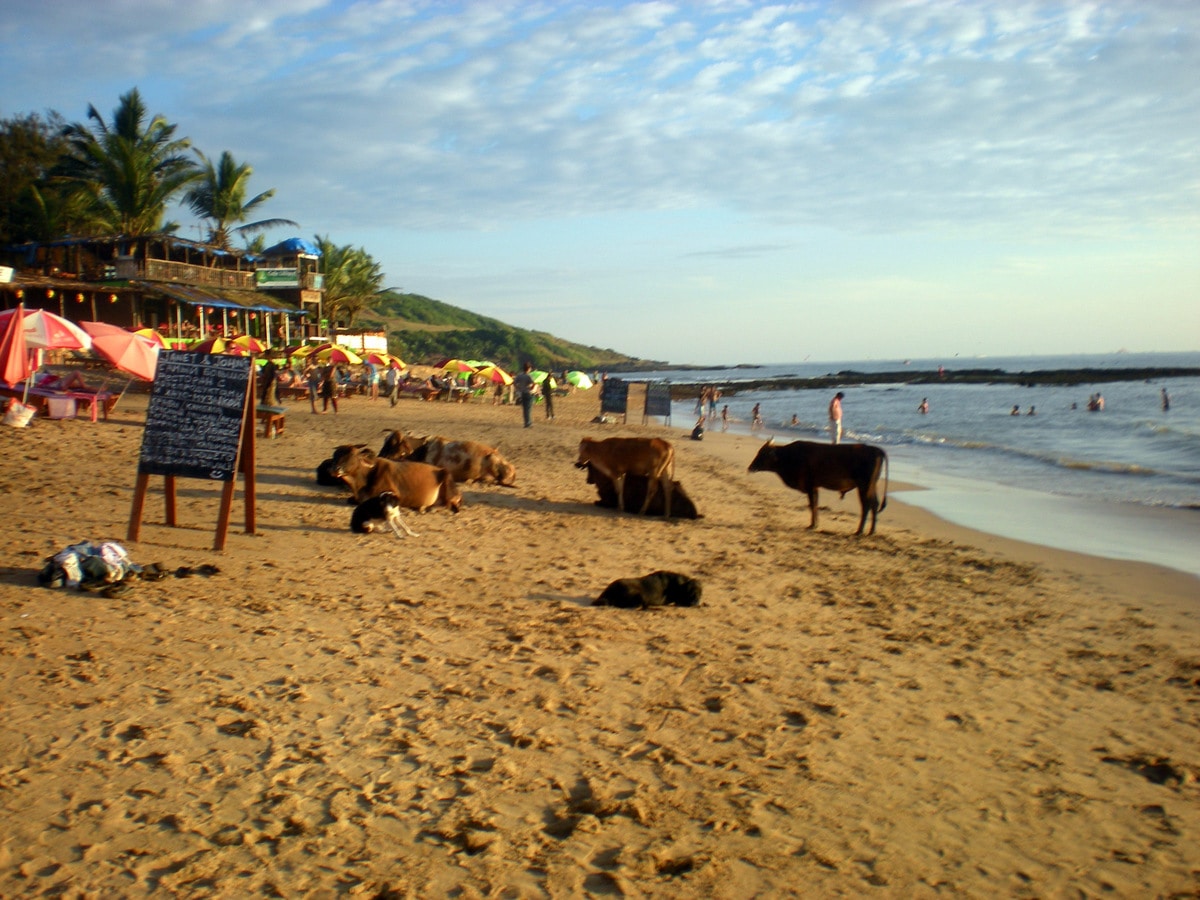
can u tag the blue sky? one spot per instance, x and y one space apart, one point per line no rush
710 182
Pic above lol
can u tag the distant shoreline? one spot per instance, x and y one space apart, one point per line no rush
682 390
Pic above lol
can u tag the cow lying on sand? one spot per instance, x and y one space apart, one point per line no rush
615 458
806 466
682 505
416 485
470 461
325 474
397 445
655 589
465 460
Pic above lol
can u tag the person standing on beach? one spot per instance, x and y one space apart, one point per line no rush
524 387
756 421
548 395
725 417
312 377
835 417
268 381
329 389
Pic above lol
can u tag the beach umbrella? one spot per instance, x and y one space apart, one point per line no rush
46 331
456 366
131 353
14 356
579 379
248 343
332 353
149 334
218 345
539 376
495 374
377 358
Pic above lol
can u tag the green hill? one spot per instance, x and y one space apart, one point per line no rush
423 331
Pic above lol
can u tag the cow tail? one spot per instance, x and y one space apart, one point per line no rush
883 502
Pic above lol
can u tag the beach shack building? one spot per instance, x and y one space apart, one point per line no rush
184 289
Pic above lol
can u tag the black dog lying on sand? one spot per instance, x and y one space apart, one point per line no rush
655 589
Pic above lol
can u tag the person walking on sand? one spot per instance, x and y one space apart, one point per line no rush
312 377
835 417
523 384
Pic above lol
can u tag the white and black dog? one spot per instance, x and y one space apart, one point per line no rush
372 513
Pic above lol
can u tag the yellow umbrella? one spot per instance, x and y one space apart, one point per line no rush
495 374
387 360
151 335
336 354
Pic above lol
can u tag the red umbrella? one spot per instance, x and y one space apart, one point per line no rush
127 351
14 356
46 331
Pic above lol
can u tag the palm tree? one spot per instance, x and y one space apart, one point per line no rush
219 195
352 280
128 170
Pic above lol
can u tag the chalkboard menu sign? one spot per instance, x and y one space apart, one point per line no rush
658 399
194 421
614 395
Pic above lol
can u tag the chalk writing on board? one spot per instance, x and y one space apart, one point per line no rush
614 395
194 421
658 399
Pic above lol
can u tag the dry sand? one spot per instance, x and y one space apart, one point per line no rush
925 712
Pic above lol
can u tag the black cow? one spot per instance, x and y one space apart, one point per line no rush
682 505
806 466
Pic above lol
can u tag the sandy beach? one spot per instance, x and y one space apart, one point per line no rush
926 712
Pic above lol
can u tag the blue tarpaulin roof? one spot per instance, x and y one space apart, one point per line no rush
291 247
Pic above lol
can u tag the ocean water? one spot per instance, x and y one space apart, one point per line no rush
1123 483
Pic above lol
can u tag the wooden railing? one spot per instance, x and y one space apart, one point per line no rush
162 270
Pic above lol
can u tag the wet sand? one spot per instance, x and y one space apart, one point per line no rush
929 711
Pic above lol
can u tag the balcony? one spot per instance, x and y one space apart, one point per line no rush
200 276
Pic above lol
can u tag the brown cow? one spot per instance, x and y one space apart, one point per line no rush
469 461
417 485
397 445
617 457
325 469
806 466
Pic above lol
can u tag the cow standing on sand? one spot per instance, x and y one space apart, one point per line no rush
617 457
806 466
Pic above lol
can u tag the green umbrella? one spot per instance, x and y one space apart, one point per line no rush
579 379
